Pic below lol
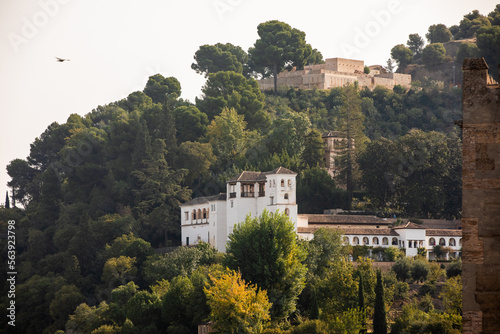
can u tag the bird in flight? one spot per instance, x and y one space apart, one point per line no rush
61 59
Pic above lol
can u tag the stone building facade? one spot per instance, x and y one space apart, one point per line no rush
336 72
481 199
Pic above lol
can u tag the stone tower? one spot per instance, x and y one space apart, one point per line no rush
481 199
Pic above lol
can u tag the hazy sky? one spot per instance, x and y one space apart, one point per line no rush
115 45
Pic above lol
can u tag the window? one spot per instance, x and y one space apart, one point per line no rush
346 240
198 216
432 242
409 244
289 183
187 241
204 214
186 215
287 212
395 241
282 182
232 203
271 198
194 214
452 242
385 241
286 196
366 241
442 242
375 241
355 241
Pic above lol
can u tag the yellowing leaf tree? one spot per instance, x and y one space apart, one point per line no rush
236 306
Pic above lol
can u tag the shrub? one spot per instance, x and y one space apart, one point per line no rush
454 269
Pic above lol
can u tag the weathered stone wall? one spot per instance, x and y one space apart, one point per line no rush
481 200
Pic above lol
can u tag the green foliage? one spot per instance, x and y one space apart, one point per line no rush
190 123
220 57
181 262
366 70
420 270
280 45
197 158
402 268
434 54
317 191
438 33
416 44
349 322
267 253
236 306
161 89
311 327
379 316
314 153
454 268
452 295
232 90
402 55
414 320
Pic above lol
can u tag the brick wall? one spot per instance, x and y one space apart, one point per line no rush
481 200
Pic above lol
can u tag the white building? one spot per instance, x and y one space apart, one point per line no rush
211 219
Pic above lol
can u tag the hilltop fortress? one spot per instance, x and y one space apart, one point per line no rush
337 72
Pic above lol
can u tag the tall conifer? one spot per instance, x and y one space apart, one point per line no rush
379 317
7 200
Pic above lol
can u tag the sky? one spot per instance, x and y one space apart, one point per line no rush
115 45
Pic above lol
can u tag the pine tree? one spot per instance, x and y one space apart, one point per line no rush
379 317
7 200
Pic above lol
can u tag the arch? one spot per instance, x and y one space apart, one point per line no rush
432 242
395 241
442 242
452 242
282 182
355 241
194 214
375 241
366 241
287 211
460 242
286 196
385 241
198 215
204 213
346 240
289 182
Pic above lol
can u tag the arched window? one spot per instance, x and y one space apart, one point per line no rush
194 214
289 183
366 241
282 182
452 242
432 242
395 241
287 211
346 240
442 242
198 216
375 241
460 242
286 196
355 241
385 241
204 214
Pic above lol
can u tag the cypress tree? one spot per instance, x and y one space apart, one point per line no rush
361 302
7 200
379 317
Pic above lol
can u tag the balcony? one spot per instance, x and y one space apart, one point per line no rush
248 194
232 195
262 193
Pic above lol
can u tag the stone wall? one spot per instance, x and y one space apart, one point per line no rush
481 200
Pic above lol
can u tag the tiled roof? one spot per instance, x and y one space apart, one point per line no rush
352 231
443 232
205 199
247 176
344 219
410 225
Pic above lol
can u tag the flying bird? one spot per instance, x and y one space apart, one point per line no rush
61 59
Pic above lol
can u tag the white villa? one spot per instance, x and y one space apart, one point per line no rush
211 219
